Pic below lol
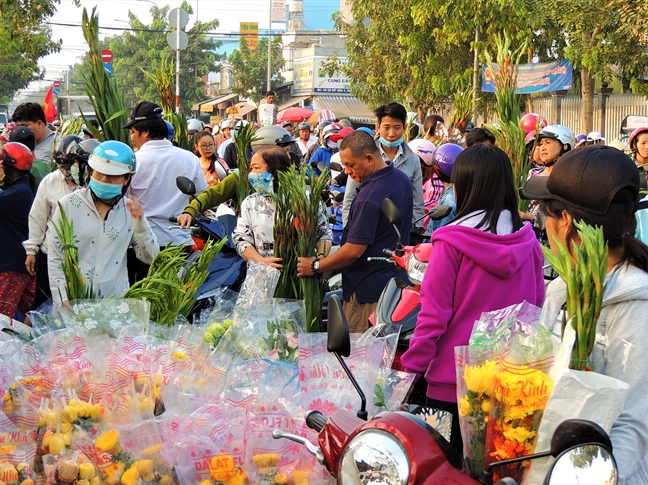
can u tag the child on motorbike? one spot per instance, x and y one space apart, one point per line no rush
432 185
442 162
599 185
254 236
485 259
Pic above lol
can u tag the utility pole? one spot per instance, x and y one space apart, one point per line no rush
476 76
177 83
269 47
67 91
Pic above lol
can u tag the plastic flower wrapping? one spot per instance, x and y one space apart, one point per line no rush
99 395
505 377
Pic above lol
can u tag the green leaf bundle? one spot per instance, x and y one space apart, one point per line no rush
171 283
583 269
76 286
296 235
106 99
244 137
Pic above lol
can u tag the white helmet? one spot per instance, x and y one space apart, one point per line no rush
194 126
594 137
226 123
267 136
559 132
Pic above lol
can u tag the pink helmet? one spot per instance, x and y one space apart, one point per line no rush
531 136
635 134
424 149
532 121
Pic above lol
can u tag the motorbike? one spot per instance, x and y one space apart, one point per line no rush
228 269
400 301
398 448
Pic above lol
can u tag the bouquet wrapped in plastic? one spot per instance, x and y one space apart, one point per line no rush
503 385
324 384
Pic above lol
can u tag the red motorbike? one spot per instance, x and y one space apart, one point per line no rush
397 448
400 301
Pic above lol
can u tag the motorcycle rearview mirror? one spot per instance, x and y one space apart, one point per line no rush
221 173
337 167
339 344
185 185
322 167
592 464
439 212
568 434
394 218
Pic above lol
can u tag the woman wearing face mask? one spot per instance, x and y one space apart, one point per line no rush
71 156
16 196
254 233
205 149
105 225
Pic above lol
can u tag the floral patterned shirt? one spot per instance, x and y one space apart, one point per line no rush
256 226
102 245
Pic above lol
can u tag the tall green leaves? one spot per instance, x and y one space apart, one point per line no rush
105 97
583 268
243 138
508 133
296 235
76 286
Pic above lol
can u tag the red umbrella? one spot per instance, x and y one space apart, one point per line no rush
294 114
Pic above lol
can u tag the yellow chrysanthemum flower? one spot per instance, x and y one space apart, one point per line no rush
113 473
266 460
521 435
487 406
131 476
479 378
109 442
280 478
464 407
300 477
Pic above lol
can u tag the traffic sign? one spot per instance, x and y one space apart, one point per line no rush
108 68
173 18
56 91
56 84
172 39
106 55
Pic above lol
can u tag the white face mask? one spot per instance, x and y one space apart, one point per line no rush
331 144
74 170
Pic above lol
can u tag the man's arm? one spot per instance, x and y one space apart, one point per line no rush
346 255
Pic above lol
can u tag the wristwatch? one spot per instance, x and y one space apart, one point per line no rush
315 267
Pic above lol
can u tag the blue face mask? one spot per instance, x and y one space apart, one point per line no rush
262 182
391 144
105 191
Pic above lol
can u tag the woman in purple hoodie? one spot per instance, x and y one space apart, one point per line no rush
485 259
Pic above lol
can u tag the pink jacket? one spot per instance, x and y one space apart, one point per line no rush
470 272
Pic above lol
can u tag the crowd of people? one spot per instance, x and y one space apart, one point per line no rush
486 253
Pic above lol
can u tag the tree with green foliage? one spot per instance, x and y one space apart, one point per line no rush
251 68
25 38
597 37
145 48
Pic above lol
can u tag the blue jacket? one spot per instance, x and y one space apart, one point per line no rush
322 154
15 202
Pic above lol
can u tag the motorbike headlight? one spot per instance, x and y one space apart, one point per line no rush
416 269
374 457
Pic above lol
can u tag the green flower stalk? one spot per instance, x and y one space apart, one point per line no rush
583 269
76 286
244 137
509 134
297 207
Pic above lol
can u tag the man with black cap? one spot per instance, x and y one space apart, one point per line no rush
154 183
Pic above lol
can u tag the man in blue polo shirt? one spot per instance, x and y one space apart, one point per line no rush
368 231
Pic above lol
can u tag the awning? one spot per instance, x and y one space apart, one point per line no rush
224 99
244 108
345 107
291 102
208 106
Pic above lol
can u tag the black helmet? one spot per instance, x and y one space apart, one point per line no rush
284 139
62 155
303 126
81 151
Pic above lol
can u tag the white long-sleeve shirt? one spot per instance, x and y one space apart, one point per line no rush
154 186
52 188
102 245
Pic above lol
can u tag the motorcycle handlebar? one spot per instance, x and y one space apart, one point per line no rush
386 260
173 219
316 420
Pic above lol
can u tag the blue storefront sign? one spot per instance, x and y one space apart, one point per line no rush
534 78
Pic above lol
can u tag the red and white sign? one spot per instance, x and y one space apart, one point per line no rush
56 84
106 55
